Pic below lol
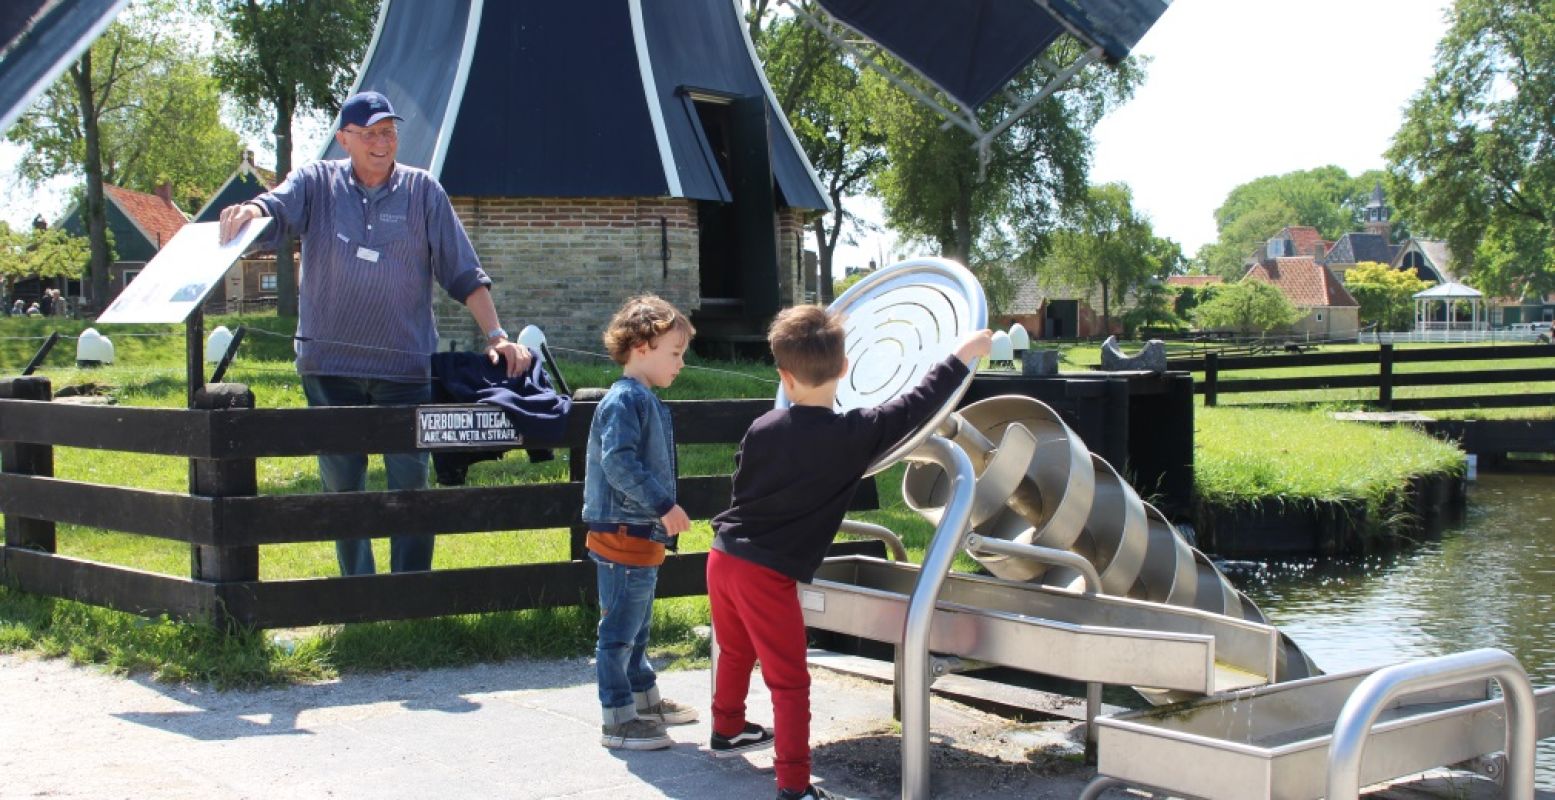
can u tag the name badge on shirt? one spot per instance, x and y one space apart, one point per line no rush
367 255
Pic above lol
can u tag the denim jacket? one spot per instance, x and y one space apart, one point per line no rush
630 477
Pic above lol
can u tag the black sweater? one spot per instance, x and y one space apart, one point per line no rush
798 467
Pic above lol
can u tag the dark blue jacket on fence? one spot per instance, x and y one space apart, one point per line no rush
534 407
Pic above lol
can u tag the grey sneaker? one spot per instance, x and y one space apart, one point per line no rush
637 734
668 712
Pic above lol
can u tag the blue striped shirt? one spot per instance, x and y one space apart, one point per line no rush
368 262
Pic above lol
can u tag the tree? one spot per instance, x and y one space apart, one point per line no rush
1248 306
1106 245
817 87
1474 161
136 110
294 57
46 253
1386 294
936 190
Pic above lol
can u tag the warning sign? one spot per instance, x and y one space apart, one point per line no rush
464 426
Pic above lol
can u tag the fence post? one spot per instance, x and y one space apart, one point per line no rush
1385 376
1211 368
223 477
28 459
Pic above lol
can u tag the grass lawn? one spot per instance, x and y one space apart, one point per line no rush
1241 453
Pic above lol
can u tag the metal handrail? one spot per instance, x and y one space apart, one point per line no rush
1045 555
948 536
877 532
1360 713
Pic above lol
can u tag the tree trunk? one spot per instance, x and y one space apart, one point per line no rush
1106 314
285 269
95 214
825 251
960 250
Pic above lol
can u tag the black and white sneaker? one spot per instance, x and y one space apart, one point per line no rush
811 792
754 737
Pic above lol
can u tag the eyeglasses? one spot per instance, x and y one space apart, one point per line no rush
371 135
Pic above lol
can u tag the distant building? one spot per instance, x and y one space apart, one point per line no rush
1192 281
1049 312
1331 311
140 224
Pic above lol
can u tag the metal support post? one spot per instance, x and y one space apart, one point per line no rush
942 552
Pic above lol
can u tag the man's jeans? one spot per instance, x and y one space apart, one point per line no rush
621 653
347 472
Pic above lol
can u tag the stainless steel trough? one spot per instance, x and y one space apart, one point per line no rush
1083 637
1274 741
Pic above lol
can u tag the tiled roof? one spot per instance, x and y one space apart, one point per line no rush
1353 248
1305 239
157 218
1303 281
1193 280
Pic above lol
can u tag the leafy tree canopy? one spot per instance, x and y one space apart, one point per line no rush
1386 294
1106 245
1474 161
157 110
49 253
1248 306
936 191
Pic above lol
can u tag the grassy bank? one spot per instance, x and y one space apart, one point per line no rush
1241 453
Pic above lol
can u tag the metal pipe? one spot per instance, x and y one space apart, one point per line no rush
1100 784
1046 555
1383 686
920 610
879 532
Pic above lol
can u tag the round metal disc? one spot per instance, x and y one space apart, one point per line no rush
900 322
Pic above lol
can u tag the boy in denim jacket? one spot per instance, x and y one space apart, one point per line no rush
630 510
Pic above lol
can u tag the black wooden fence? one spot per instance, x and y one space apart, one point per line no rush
224 519
1385 378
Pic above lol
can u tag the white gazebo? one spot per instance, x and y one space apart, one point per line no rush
1450 294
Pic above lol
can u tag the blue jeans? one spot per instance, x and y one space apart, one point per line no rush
347 472
621 652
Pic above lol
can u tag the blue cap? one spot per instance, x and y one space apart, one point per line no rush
366 108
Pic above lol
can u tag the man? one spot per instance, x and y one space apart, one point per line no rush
375 235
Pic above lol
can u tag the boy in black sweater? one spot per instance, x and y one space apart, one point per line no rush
795 474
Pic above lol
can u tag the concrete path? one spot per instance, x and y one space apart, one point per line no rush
514 730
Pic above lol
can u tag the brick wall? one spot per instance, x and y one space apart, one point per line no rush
790 244
566 264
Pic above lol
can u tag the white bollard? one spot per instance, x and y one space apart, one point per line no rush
93 349
217 343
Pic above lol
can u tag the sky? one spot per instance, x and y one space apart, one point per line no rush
1239 89
1236 89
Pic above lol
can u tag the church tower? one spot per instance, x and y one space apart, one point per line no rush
1376 215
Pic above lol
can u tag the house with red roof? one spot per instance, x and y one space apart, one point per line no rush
140 224
1331 311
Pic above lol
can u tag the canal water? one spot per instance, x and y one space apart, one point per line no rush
1487 582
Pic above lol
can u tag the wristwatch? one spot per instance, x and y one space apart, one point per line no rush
495 334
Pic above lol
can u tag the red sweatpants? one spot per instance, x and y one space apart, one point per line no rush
756 616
